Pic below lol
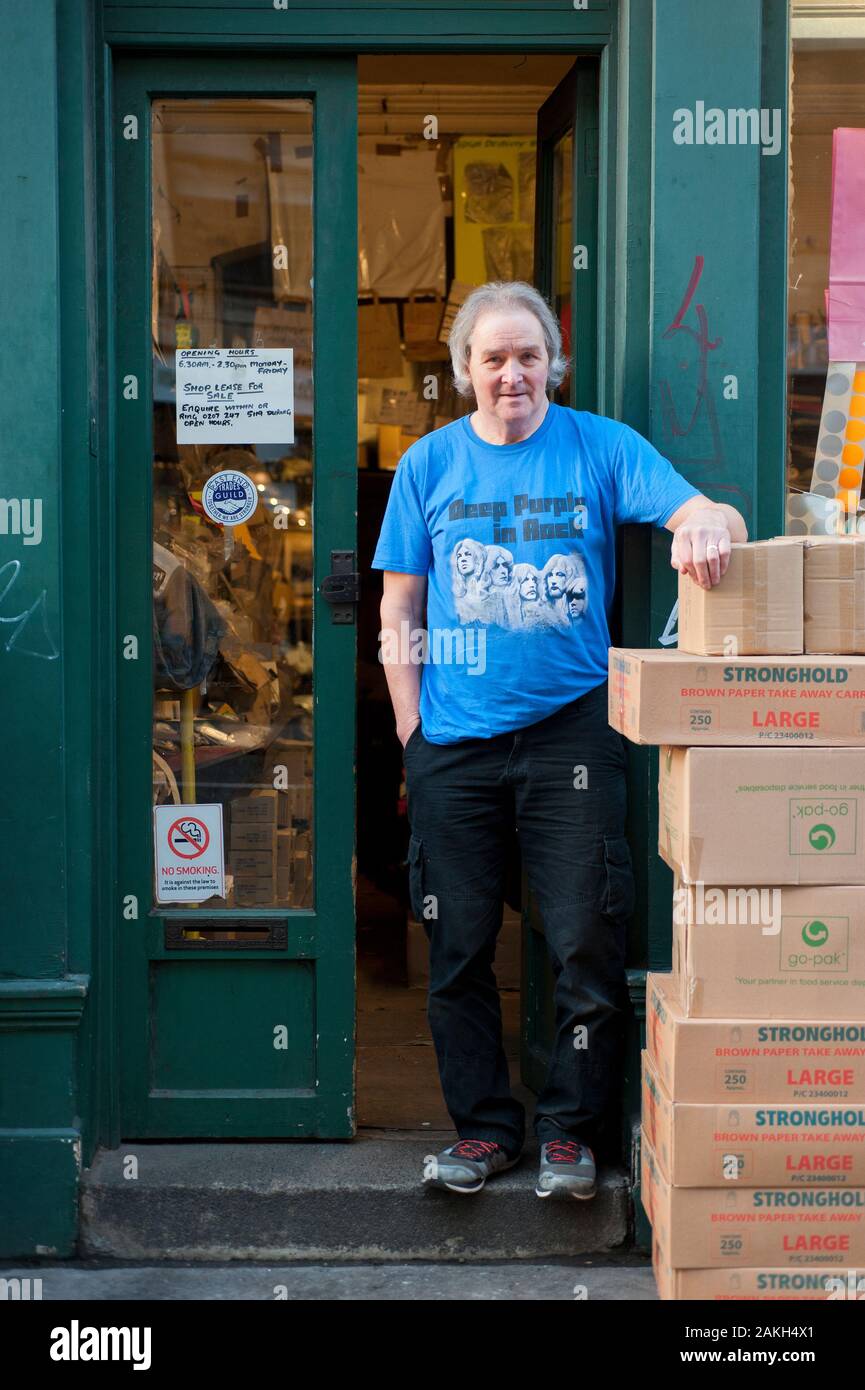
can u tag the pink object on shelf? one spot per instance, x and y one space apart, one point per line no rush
846 297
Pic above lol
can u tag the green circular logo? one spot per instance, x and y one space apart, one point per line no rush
821 837
815 933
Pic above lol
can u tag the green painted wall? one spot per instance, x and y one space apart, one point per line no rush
44 645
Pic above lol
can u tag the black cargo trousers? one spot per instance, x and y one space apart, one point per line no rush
562 782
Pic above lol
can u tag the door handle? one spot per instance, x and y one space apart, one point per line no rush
341 588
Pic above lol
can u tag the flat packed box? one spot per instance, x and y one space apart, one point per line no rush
258 893
755 1285
258 808
253 879
252 835
757 1227
255 863
769 952
665 696
763 815
778 1143
726 1060
834 592
756 608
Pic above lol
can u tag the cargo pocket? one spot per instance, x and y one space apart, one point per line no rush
415 877
620 894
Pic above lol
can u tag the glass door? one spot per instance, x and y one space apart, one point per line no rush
235 477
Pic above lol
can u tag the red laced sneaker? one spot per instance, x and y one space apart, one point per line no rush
474 1148
567 1170
466 1165
564 1151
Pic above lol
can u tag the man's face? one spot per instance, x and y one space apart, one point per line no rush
465 560
501 571
529 588
508 364
556 580
577 603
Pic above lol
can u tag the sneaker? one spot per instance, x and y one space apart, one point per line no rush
567 1170
466 1165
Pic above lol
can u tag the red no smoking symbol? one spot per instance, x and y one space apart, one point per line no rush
188 838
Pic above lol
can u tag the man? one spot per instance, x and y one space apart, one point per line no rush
523 738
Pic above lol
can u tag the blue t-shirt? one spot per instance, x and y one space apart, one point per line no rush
518 543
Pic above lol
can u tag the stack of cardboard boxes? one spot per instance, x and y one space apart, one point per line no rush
753 1152
270 835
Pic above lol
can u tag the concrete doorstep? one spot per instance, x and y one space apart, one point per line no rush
356 1201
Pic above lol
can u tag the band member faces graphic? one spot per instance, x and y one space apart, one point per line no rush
489 588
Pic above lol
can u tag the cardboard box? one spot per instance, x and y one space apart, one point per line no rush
254 863
257 809
757 608
665 696
770 1227
834 589
782 1143
755 1285
250 835
763 815
258 893
729 1060
295 804
770 952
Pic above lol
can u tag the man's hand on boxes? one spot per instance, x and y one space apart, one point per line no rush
702 534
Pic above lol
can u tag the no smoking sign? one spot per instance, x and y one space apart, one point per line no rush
190 859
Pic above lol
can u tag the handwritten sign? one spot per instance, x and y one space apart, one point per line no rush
241 395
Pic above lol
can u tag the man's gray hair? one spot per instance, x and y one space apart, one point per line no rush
496 295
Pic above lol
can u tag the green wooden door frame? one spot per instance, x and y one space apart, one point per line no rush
573 107
319 940
248 32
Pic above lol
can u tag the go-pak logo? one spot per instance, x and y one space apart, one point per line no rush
821 837
815 944
815 933
823 825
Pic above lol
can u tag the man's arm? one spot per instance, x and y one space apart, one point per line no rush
403 600
702 534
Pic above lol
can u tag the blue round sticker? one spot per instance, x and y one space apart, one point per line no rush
229 498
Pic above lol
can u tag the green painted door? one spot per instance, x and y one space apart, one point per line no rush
566 273
235 360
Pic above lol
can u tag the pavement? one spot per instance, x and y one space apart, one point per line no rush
507 1280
